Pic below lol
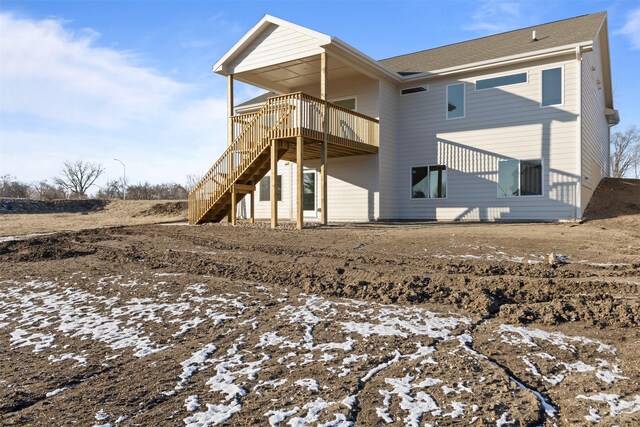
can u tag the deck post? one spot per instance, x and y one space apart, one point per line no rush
323 146
300 181
252 218
274 183
234 203
230 132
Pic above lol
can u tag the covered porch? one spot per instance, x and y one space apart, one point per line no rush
291 61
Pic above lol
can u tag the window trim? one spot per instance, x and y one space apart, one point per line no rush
562 85
526 73
464 101
344 98
428 166
425 87
519 179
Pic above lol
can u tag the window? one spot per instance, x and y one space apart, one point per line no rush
551 87
519 178
429 182
418 89
455 101
348 103
511 79
265 189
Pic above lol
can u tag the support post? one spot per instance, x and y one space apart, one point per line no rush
231 217
230 109
234 204
325 141
274 183
300 176
252 218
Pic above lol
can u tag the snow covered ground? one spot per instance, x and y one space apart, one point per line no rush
259 353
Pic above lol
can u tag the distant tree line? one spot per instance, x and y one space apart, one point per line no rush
76 178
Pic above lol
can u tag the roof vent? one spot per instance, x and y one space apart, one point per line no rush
533 36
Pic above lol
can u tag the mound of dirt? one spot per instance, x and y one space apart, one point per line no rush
614 197
20 206
167 208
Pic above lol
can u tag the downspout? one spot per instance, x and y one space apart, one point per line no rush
578 202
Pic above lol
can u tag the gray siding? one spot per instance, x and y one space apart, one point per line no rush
595 130
500 123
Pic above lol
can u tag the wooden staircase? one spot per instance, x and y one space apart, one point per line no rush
244 162
282 120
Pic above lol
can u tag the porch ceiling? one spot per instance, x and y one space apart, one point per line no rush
292 75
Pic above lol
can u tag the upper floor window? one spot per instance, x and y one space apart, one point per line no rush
551 87
455 101
265 189
511 79
519 178
417 89
429 182
348 103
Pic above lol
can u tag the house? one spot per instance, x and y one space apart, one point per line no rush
513 126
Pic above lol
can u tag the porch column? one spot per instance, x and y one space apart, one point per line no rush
274 183
300 175
230 109
231 217
323 147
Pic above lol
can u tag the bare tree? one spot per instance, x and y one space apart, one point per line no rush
12 188
624 151
77 177
111 190
42 190
192 180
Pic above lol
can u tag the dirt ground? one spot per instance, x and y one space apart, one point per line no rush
69 216
355 324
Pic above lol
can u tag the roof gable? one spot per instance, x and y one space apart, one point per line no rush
269 42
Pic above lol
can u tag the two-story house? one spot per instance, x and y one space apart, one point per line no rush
513 126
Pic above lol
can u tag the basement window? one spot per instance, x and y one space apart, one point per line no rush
519 178
511 79
429 182
265 189
412 90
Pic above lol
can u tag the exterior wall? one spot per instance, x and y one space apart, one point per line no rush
595 129
387 158
275 45
352 184
285 210
506 122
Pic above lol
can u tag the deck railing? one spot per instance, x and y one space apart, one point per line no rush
284 116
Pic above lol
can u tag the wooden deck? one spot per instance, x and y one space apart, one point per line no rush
279 127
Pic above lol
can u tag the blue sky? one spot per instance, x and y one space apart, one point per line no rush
95 80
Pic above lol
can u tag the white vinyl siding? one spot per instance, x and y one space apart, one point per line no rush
275 45
502 123
594 127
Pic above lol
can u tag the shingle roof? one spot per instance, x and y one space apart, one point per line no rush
554 34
